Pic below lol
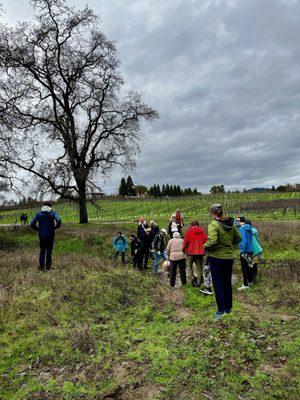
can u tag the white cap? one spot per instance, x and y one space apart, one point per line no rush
164 231
176 235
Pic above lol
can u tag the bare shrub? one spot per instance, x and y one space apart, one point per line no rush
82 339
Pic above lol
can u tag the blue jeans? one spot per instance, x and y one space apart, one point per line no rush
221 273
157 257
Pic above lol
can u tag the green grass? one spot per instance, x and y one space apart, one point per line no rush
261 205
88 331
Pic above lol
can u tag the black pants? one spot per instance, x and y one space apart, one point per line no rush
116 257
137 260
173 270
46 247
145 255
249 273
221 273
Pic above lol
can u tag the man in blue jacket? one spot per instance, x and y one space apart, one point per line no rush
246 248
46 222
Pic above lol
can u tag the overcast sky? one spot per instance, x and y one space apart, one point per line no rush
224 76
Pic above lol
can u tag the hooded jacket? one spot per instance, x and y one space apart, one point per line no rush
194 240
46 222
257 249
246 244
120 244
223 236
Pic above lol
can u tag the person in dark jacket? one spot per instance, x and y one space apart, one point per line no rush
246 247
136 246
24 219
144 234
159 249
154 230
46 222
223 237
193 243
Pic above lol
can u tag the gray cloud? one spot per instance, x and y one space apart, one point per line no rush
224 76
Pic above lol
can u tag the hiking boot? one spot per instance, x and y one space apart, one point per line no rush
219 314
206 291
243 287
227 311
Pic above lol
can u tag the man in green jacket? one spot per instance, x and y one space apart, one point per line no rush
223 236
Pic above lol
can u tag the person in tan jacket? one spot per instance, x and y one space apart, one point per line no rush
177 258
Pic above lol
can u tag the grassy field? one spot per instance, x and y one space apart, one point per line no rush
86 330
255 205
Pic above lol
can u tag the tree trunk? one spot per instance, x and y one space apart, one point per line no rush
83 216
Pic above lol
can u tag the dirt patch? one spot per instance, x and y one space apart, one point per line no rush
142 393
123 372
183 313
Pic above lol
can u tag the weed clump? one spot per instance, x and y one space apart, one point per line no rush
83 340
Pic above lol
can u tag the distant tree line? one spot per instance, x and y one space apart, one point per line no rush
170 190
127 188
217 189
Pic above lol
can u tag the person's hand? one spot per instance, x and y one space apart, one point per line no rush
158 253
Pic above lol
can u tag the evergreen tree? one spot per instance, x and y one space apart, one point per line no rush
195 191
154 190
163 190
158 191
123 188
151 192
167 189
130 187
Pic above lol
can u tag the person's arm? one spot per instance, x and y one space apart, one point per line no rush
243 241
34 222
115 243
168 248
237 237
212 240
57 220
156 243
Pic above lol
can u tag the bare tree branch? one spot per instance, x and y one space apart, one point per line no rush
60 101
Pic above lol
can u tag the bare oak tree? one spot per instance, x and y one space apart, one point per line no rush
60 92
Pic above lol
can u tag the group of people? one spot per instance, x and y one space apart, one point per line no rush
212 253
